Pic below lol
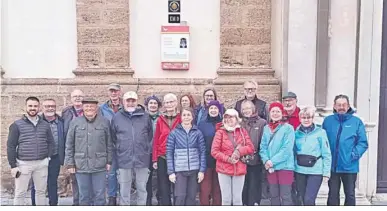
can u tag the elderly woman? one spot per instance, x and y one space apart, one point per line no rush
187 101
252 190
166 122
231 142
313 157
186 159
209 188
277 156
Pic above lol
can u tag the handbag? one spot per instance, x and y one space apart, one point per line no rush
307 160
252 159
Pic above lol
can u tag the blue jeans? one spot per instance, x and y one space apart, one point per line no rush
308 186
91 188
52 182
112 179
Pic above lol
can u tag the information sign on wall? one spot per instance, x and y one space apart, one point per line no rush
175 47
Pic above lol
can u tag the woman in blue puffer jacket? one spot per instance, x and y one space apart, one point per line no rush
186 159
313 157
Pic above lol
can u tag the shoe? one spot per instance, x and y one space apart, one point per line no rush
112 201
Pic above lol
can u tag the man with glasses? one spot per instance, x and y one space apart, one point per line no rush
348 142
68 114
57 159
250 91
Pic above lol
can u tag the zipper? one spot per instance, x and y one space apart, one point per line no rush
234 165
134 157
337 146
188 150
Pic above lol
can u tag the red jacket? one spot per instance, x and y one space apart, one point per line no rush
294 119
161 135
222 149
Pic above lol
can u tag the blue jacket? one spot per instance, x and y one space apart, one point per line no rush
208 128
280 149
314 143
107 111
347 139
61 138
201 112
186 151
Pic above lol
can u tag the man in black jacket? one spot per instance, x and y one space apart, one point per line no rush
250 91
57 159
29 148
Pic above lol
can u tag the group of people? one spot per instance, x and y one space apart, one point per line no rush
231 156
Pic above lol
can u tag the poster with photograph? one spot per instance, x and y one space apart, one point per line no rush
175 47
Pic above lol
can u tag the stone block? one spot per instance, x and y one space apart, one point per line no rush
116 16
117 57
244 36
117 3
259 55
231 15
86 16
4 104
89 57
232 56
255 17
261 3
103 36
90 3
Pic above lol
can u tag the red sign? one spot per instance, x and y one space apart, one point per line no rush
175 47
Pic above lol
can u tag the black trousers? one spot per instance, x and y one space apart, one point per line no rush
149 186
186 188
252 189
349 183
307 188
163 183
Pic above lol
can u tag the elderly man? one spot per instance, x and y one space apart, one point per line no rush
132 135
68 114
291 109
164 125
57 159
348 142
108 109
250 90
29 148
89 153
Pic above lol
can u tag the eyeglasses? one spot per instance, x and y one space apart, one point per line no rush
77 96
250 89
307 117
209 96
50 106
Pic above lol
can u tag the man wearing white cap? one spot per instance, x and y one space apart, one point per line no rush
132 135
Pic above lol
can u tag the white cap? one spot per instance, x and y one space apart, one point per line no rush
231 112
130 95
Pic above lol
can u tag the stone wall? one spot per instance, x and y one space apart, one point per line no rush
103 58
245 33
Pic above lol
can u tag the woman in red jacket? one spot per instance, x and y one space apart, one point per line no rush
164 125
230 143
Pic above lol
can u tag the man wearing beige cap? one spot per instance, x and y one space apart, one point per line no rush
89 153
132 133
108 109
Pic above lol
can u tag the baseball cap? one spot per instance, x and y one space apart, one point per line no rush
130 95
290 95
114 86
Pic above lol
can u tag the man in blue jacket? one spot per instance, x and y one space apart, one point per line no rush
348 142
108 109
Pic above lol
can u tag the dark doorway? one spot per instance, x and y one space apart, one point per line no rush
382 142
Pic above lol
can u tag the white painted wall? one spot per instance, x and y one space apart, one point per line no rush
39 38
203 17
302 50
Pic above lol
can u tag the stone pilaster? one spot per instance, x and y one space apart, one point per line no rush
103 37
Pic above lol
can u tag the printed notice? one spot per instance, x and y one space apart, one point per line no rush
175 47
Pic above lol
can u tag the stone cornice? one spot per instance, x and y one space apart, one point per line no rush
103 71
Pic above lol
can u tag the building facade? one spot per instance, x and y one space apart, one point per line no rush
316 48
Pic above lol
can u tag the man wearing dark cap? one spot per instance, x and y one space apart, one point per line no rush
89 153
108 110
289 101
